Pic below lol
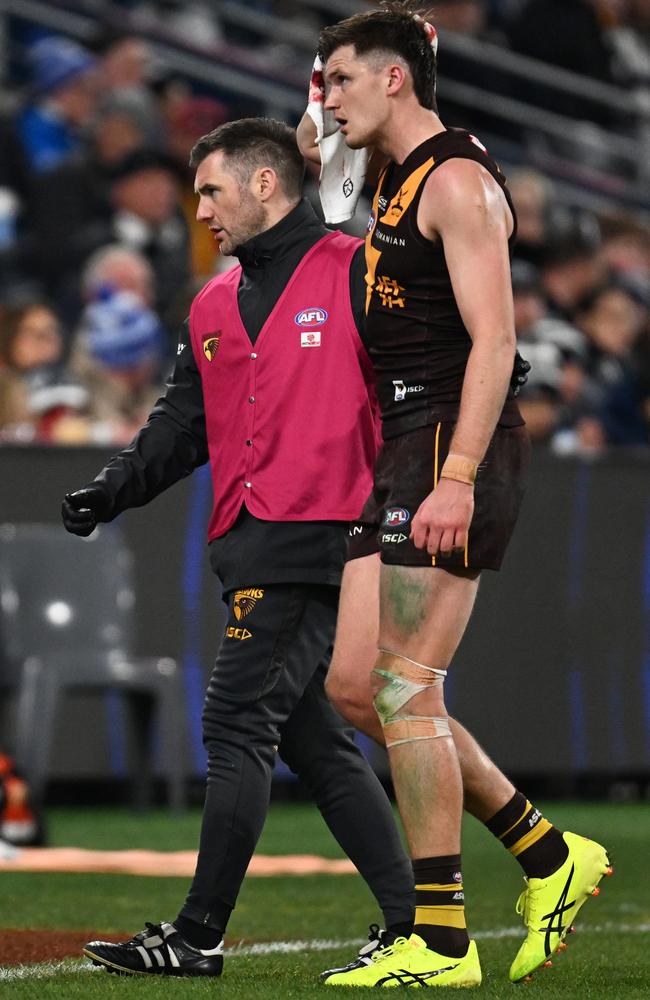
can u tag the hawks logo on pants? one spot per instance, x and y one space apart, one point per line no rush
245 600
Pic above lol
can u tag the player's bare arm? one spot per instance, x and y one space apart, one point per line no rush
307 136
464 207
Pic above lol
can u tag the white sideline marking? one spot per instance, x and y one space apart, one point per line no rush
46 970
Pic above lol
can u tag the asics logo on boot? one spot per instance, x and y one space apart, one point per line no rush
405 978
561 907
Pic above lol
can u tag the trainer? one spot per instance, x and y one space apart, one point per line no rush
272 385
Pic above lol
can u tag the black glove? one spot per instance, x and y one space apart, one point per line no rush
82 510
519 375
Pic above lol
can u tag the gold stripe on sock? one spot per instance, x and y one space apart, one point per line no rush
530 838
437 887
442 916
527 808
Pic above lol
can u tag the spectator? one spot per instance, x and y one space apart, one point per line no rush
14 412
75 199
572 266
64 99
626 247
135 204
537 206
36 390
614 318
125 59
31 338
147 217
118 268
126 121
556 351
126 71
57 409
117 356
188 118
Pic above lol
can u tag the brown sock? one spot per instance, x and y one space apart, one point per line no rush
538 846
440 905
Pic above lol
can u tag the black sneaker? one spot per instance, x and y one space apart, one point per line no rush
377 941
159 950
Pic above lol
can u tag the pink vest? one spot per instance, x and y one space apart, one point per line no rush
290 420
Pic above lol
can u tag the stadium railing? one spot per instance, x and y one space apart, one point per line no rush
596 167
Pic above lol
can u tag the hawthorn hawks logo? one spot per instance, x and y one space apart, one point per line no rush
245 601
211 345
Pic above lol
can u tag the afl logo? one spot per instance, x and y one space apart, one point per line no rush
395 516
311 317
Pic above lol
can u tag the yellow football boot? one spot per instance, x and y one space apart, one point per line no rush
408 962
550 905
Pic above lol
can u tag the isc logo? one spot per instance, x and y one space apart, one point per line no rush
311 317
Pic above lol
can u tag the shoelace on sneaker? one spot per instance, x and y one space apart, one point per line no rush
525 905
395 948
374 941
150 930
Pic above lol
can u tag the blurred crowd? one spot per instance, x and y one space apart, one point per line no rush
100 253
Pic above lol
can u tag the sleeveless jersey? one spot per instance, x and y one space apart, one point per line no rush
418 342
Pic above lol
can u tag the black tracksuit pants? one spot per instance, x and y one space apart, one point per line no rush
267 695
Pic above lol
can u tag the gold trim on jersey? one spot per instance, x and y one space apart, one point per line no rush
391 217
407 192
372 254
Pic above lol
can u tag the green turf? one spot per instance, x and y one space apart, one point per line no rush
598 964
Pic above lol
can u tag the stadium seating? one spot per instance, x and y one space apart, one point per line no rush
66 611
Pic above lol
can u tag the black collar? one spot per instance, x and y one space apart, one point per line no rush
280 239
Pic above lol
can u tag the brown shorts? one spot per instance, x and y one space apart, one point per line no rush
407 469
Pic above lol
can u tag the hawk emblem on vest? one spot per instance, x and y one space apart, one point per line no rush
211 345
245 600
397 206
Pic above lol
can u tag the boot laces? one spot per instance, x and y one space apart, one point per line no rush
526 904
151 930
374 941
398 945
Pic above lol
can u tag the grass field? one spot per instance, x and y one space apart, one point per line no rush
323 917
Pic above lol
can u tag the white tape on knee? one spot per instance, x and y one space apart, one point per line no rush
404 678
414 728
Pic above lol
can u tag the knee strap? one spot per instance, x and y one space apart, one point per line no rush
404 678
413 728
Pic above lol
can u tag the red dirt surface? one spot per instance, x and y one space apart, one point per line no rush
162 863
27 947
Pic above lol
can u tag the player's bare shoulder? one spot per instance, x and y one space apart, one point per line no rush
462 194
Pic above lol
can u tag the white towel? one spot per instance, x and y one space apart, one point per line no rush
342 170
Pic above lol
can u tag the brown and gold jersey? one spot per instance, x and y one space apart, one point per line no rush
417 340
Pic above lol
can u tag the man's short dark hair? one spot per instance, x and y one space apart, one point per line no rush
251 143
393 30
